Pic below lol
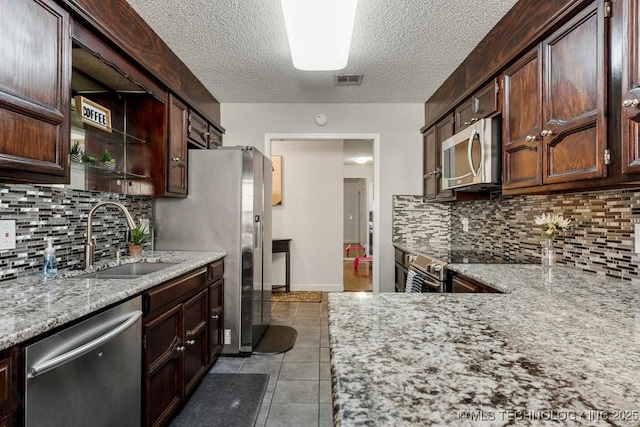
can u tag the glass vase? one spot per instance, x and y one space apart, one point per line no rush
548 253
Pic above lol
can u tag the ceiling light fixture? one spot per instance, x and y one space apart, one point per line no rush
319 32
361 160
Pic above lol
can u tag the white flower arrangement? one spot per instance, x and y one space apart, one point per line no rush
552 224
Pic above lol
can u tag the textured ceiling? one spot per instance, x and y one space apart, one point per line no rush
239 50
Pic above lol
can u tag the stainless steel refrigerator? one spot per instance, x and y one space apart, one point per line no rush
228 208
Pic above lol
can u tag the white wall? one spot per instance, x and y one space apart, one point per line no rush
400 156
311 213
351 210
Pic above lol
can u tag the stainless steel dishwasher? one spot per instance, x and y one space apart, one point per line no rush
88 374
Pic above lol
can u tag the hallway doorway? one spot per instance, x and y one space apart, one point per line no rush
308 210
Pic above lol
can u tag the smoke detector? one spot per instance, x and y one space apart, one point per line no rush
347 79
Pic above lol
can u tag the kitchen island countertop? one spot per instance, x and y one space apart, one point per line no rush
559 345
32 305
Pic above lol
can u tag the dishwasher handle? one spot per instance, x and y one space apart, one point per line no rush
48 365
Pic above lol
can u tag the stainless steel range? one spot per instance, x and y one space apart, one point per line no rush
429 274
426 274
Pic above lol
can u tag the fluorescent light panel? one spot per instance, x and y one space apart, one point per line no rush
319 32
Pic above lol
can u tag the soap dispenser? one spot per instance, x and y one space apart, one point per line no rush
49 262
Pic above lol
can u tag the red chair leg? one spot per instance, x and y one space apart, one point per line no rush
356 261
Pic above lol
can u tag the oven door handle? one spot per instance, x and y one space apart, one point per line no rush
50 364
474 134
433 285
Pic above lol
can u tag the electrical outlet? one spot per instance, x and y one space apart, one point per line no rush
465 224
227 337
8 234
145 224
637 237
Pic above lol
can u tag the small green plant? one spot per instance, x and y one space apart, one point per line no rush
106 157
88 159
138 234
75 148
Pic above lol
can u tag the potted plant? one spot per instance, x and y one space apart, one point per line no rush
137 239
88 159
107 162
76 153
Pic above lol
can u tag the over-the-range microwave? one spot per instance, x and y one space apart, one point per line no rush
471 157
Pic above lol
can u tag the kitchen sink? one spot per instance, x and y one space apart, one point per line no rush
127 271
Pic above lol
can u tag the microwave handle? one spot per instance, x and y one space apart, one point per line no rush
474 172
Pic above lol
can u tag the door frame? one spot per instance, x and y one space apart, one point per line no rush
375 137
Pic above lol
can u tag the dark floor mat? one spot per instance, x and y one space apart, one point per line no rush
224 400
276 339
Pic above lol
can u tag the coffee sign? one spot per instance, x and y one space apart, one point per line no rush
93 114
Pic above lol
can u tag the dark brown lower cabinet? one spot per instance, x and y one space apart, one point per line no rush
178 329
195 340
401 269
163 357
216 316
463 284
9 387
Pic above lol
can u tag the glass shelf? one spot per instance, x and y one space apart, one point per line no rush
114 174
121 136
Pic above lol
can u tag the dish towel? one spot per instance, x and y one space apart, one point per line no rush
414 282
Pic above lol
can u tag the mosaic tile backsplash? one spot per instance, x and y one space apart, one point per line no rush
41 212
417 222
600 240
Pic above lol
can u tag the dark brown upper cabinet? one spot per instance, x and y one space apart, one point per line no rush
432 165
35 72
483 103
555 101
429 162
177 148
215 136
198 135
631 88
521 143
136 138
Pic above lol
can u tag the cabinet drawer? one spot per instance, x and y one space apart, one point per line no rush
182 287
215 271
197 130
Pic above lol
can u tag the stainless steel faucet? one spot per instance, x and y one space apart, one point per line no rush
90 246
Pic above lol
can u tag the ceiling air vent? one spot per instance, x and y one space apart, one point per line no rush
347 79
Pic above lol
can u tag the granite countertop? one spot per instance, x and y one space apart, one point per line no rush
562 346
31 305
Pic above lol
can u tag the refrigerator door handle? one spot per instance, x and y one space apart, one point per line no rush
258 232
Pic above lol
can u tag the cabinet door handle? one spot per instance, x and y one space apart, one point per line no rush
180 348
191 342
215 316
474 120
466 123
631 103
175 159
530 138
546 133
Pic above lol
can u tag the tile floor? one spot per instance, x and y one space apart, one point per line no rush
299 390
